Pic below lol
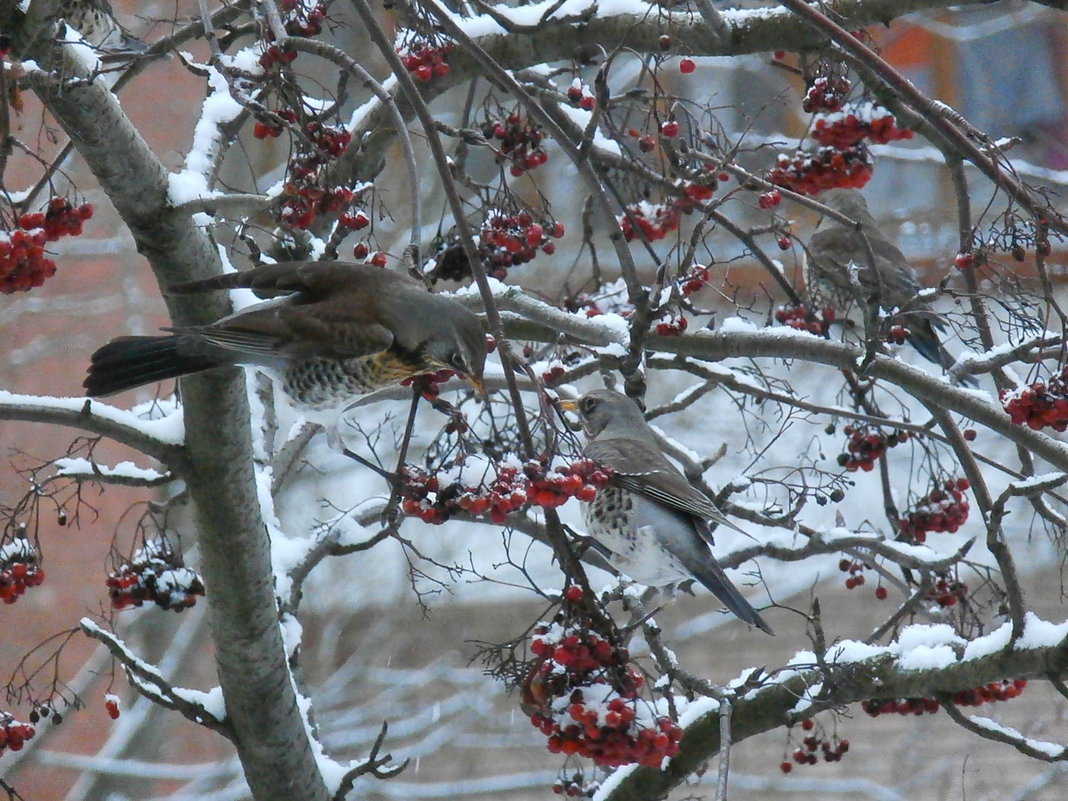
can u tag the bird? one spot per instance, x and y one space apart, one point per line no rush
94 20
649 518
328 331
840 272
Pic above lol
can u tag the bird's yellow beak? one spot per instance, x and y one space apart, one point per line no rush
568 405
479 386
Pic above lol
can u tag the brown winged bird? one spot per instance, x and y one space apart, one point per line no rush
840 272
328 331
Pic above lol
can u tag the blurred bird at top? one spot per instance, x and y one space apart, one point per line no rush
94 20
328 332
841 272
649 518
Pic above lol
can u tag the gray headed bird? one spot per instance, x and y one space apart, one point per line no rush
328 332
650 519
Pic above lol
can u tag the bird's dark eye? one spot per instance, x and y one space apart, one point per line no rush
587 405
456 361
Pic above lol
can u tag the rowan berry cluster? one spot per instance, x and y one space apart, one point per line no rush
943 510
813 744
271 129
947 592
866 120
273 54
673 326
696 280
770 199
655 221
425 59
576 786
19 569
14 734
827 168
897 334
435 501
1004 690
1044 403
304 197
827 93
23 263
154 573
804 319
111 706
509 240
866 444
299 20
855 571
582 693
579 94
520 143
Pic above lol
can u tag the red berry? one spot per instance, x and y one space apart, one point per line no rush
379 259
881 593
670 129
686 66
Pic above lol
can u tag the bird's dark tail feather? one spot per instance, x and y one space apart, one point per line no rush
924 338
717 582
129 362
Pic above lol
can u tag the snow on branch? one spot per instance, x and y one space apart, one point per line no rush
161 438
925 662
200 707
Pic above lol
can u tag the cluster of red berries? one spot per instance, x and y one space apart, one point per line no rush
58 219
831 749
866 444
770 199
276 55
696 280
943 510
655 221
582 693
855 570
305 198
13 734
19 569
576 786
16 577
270 129
424 59
301 21
154 573
508 240
111 705
827 168
579 94
514 487
898 334
673 326
947 592
1004 690
827 93
23 264
867 120
804 319
520 143
1040 404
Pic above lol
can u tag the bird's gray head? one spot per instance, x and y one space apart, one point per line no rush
456 340
848 201
604 410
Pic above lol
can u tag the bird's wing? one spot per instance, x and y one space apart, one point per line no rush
640 467
314 281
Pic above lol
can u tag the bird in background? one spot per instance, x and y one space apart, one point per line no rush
94 20
650 519
837 251
327 332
